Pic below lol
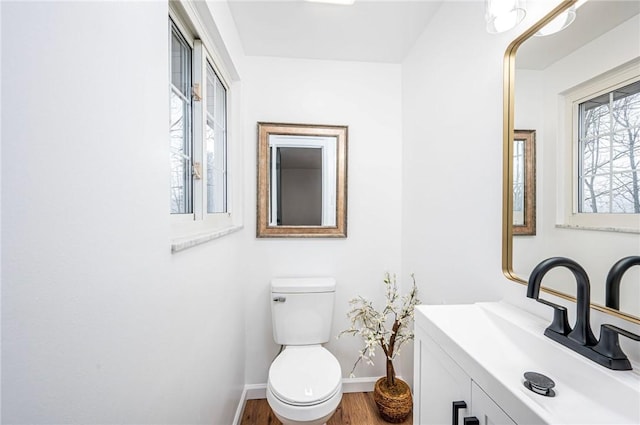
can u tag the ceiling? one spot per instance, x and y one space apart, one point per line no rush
369 30
385 30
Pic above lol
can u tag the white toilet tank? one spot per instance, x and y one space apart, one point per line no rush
302 310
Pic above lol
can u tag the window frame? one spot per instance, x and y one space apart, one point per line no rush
569 215
207 115
188 144
199 226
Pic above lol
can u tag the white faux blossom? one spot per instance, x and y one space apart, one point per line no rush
389 328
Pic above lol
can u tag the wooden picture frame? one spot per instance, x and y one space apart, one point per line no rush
331 142
524 182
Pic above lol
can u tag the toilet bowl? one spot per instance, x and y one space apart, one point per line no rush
305 380
305 385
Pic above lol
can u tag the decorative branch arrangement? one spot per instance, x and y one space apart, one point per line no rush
389 328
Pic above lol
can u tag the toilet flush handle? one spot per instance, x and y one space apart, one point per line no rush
279 299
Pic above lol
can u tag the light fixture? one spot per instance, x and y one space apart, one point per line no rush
502 15
340 2
559 23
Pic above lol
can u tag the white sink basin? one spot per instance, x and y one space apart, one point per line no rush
499 343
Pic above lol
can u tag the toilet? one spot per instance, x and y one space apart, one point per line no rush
305 379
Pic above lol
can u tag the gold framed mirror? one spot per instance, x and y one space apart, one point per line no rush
302 180
611 26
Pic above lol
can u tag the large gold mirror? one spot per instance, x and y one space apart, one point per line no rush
561 84
302 180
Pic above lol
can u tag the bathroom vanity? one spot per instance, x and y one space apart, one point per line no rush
478 354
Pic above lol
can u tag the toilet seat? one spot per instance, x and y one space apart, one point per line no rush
305 376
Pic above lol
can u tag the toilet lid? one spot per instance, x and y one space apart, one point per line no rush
304 375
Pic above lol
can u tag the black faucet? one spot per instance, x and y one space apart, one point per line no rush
607 351
612 287
581 333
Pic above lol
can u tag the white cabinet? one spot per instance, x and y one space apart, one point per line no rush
486 410
439 382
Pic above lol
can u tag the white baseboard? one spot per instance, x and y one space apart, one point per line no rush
259 391
359 385
240 409
256 391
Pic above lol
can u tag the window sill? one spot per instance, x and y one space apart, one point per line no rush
181 244
597 228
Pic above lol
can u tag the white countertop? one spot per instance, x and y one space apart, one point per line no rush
496 343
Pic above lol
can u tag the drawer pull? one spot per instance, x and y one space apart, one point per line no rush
457 405
471 420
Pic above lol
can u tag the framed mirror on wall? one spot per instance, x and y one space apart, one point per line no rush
560 85
302 180
524 182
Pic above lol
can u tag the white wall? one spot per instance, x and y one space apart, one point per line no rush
452 157
100 322
366 97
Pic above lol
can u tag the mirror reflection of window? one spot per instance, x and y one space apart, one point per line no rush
609 145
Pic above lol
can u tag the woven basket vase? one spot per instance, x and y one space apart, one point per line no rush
394 408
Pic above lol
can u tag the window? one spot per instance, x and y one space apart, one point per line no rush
198 132
603 125
180 130
216 143
609 149
186 171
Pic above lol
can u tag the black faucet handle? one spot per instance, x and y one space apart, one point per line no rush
560 323
614 277
609 345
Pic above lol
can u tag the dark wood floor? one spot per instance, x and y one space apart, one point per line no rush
354 409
